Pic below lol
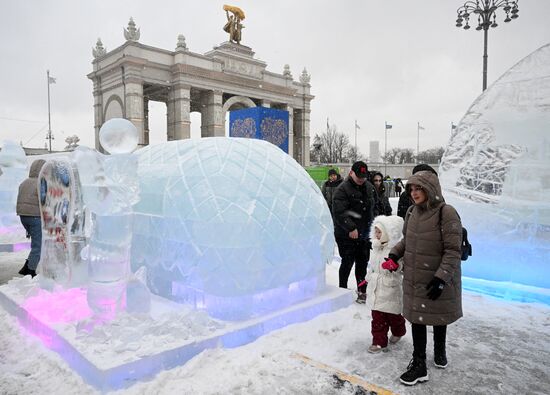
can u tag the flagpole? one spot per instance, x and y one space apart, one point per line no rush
355 140
385 149
49 117
417 140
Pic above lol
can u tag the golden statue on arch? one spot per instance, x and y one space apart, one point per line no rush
234 25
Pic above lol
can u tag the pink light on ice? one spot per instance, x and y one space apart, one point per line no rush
66 306
21 246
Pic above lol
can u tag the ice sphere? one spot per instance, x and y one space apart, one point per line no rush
118 136
497 170
231 225
13 170
63 224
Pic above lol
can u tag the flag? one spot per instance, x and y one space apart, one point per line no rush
388 126
453 126
51 80
328 126
357 126
420 127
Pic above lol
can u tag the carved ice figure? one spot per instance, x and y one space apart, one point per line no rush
63 225
498 159
109 188
231 225
13 170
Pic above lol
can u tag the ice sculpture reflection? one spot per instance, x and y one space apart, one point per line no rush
497 165
13 170
231 225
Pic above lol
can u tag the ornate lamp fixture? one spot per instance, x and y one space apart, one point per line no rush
485 11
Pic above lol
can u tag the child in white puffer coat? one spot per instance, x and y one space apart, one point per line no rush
385 283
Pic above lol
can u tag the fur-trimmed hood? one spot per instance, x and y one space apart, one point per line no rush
430 183
391 227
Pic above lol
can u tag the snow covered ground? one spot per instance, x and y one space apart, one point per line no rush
497 347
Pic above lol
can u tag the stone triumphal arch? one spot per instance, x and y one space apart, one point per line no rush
226 78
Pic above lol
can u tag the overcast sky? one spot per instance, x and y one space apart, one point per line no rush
400 61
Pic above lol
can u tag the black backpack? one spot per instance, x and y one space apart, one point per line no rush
465 247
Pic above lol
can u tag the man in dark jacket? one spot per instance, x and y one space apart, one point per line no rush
330 186
405 200
381 202
353 212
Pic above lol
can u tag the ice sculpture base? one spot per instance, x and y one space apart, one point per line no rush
110 374
15 247
507 290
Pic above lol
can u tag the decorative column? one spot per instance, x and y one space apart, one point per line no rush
298 122
305 79
305 136
146 121
290 129
98 110
179 109
98 52
212 114
133 103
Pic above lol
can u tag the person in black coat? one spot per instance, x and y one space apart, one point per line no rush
353 212
382 203
405 200
330 186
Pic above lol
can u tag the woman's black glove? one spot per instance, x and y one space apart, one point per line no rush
435 288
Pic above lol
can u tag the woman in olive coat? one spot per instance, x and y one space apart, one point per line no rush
432 292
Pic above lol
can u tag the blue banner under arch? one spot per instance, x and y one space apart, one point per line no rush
262 123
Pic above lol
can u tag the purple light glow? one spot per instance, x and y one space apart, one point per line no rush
21 246
67 306
71 305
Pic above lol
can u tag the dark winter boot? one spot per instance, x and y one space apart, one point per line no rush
440 356
24 269
416 372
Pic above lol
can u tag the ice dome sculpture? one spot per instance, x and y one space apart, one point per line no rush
13 170
498 162
233 226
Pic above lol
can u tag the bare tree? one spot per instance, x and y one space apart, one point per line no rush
391 156
352 155
432 155
406 156
330 146
399 155
72 142
340 146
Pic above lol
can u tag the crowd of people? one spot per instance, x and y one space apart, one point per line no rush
407 266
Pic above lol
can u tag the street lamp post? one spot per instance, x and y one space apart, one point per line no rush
485 10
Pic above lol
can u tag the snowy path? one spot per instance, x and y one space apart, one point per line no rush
498 347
